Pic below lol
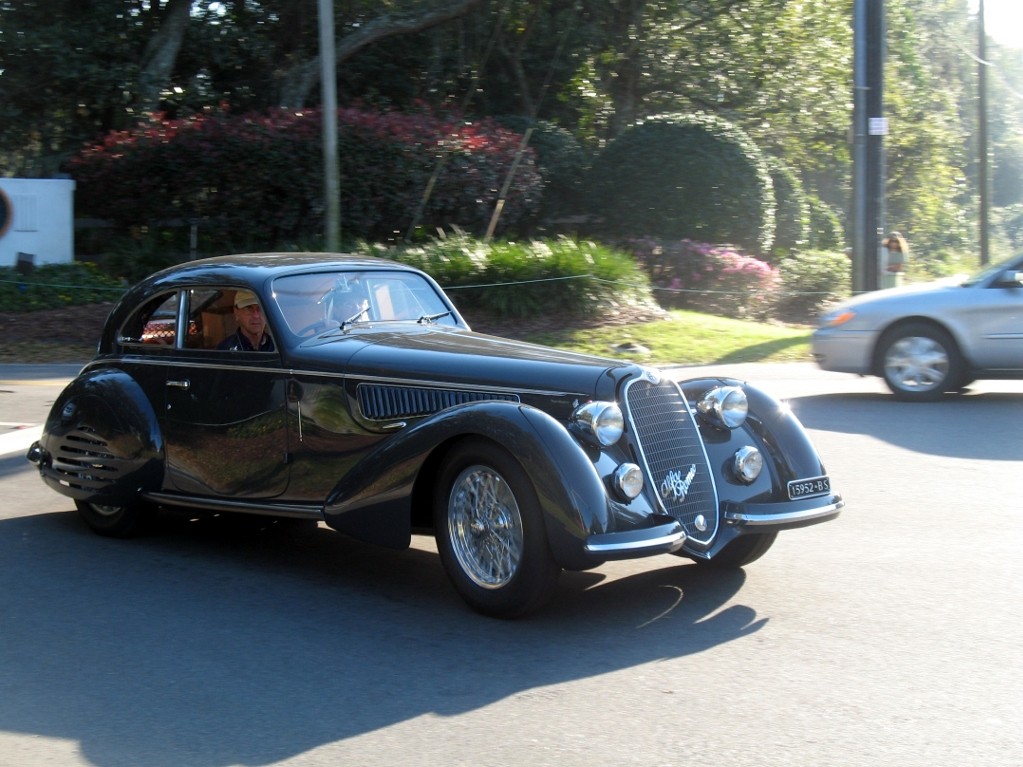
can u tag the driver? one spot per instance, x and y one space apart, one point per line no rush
251 335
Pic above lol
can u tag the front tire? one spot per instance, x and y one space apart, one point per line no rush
920 362
115 521
490 532
740 552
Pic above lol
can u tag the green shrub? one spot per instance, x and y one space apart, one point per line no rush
695 176
51 286
508 280
560 160
792 213
1010 221
716 279
826 232
810 281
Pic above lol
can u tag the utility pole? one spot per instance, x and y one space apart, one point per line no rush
331 168
985 201
869 129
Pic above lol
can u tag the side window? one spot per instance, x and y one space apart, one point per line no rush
210 320
154 322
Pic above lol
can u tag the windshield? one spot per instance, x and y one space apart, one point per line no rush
319 301
983 274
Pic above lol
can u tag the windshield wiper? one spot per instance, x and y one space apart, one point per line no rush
429 319
351 320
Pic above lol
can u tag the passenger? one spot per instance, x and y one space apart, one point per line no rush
251 335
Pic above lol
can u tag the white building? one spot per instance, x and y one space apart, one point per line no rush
37 221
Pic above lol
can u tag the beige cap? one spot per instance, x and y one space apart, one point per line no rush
244 298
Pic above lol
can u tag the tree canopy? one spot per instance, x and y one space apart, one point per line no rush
71 71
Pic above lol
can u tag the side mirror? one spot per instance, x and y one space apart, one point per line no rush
1010 278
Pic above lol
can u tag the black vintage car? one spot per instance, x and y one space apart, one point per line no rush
369 405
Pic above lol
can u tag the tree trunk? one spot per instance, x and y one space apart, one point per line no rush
161 54
299 82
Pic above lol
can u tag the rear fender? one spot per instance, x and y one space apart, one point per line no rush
101 442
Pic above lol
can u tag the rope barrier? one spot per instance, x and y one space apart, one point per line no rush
514 283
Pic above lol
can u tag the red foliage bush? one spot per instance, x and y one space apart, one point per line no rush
716 279
257 180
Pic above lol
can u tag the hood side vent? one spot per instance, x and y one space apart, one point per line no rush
379 402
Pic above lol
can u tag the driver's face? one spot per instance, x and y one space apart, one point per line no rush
251 320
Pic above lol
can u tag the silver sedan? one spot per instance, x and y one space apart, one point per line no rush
926 340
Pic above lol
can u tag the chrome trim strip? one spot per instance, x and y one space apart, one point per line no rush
417 382
738 517
664 540
266 508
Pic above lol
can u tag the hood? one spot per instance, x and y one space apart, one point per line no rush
451 355
928 292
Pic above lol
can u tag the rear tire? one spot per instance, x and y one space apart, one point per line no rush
116 521
490 532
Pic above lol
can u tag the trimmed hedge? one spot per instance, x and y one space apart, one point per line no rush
256 181
50 286
560 160
826 232
685 176
792 214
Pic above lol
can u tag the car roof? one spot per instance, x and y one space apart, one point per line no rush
256 267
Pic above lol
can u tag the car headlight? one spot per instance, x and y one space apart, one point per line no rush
724 406
628 481
747 463
600 423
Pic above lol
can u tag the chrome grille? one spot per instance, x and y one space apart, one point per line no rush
382 402
673 456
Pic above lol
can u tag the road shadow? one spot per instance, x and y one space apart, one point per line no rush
210 644
986 426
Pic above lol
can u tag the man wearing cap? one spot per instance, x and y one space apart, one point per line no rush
251 335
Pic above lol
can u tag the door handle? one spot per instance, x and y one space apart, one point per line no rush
179 384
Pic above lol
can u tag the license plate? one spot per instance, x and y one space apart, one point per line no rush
809 488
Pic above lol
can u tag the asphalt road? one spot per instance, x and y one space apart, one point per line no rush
891 636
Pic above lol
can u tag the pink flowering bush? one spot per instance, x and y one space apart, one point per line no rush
257 180
716 279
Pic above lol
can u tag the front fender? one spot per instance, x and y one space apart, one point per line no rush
373 500
763 506
101 441
770 426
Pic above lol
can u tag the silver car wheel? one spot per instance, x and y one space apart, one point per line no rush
917 364
485 527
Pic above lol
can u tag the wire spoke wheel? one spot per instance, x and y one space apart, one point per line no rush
485 527
490 530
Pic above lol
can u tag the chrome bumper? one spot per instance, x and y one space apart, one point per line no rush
662 539
780 516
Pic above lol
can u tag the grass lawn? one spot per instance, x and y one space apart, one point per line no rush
688 338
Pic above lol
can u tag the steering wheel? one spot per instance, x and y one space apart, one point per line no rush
313 329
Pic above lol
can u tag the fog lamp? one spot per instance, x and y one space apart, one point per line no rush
628 481
747 463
